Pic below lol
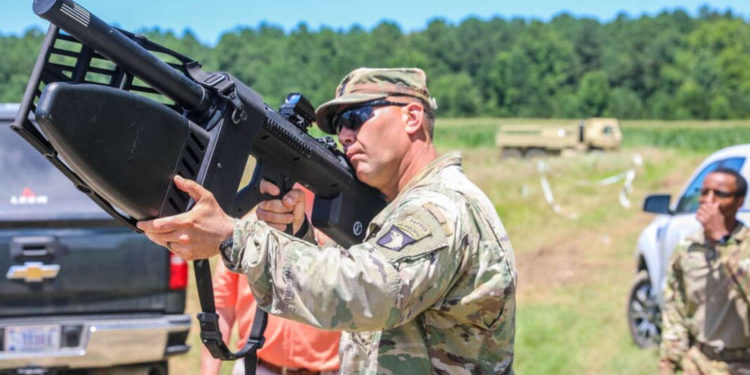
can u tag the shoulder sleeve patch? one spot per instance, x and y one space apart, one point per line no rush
412 232
403 232
435 211
395 239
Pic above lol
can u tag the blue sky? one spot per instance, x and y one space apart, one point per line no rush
208 19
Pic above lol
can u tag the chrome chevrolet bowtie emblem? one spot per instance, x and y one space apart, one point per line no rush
33 272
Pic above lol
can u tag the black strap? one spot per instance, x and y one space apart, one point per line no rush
209 320
256 335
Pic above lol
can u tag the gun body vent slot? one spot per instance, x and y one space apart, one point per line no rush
287 137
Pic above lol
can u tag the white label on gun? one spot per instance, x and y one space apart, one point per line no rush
77 13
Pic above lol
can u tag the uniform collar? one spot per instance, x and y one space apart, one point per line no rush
440 163
739 233
431 169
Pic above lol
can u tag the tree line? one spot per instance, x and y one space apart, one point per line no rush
669 66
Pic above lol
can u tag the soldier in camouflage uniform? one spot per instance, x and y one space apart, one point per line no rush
706 329
432 288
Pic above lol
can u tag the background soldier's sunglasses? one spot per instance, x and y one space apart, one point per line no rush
353 118
718 193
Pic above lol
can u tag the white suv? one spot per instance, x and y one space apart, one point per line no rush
676 220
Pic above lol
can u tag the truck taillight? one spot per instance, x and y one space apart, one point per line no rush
178 272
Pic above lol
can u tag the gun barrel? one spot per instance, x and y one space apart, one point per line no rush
126 53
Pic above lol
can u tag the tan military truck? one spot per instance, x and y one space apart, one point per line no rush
534 140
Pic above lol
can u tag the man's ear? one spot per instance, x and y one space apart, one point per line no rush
413 118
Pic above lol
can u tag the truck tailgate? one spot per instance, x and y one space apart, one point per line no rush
98 269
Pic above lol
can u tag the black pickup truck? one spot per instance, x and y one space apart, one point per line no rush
79 293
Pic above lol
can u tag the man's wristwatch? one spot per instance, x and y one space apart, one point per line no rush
225 247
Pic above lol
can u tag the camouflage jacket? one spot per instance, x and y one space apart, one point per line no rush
431 290
706 296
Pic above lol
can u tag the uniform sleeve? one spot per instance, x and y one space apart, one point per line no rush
405 266
736 260
674 335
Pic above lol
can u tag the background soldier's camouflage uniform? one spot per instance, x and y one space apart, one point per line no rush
432 290
705 321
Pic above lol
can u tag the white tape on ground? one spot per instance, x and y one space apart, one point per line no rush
627 187
542 168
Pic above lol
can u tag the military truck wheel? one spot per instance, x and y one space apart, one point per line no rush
510 153
644 313
535 153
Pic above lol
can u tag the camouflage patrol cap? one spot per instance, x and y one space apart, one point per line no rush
368 84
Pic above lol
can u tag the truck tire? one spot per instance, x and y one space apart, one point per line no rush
510 153
533 153
643 312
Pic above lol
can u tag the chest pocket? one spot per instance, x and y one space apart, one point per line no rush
696 271
413 232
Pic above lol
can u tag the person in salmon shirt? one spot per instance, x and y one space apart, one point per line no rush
290 347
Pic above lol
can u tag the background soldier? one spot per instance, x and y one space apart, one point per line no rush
705 322
432 288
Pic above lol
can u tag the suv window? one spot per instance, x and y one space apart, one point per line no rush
31 188
689 201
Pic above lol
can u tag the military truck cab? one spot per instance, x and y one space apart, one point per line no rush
601 133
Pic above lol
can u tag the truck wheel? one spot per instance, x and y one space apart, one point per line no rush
535 153
510 153
644 313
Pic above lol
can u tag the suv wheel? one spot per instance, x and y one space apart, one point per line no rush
644 314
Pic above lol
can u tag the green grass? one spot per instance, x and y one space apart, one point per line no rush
575 323
682 135
696 139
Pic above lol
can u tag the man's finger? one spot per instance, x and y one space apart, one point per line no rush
292 197
275 218
299 209
162 224
192 188
267 187
163 238
274 205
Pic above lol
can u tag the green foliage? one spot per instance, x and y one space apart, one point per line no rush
593 94
458 95
624 104
669 66
18 56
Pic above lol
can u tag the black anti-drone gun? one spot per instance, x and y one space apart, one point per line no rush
120 116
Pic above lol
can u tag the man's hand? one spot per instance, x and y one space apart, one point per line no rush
712 220
666 367
278 213
195 234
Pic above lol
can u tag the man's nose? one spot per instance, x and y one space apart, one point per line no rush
709 197
347 136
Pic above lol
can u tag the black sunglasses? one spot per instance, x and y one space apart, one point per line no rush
718 193
353 118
